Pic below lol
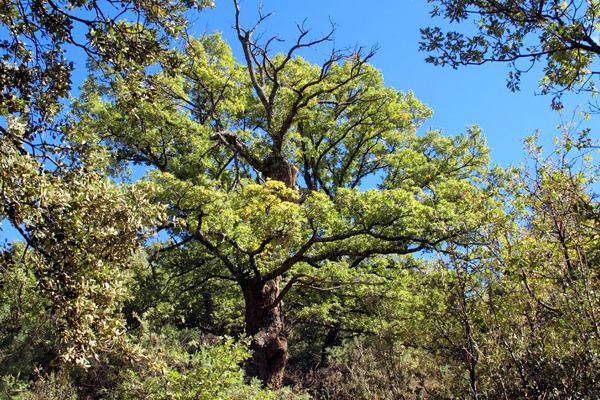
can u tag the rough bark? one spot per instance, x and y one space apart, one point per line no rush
280 169
266 326
265 322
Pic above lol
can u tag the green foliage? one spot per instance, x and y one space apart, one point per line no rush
407 266
82 230
552 254
173 286
26 331
55 385
373 368
35 69
28 334
185 364
562 35
513 318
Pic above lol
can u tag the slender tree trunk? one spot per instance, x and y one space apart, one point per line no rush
266 327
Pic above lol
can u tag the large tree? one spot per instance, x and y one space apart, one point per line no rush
264 166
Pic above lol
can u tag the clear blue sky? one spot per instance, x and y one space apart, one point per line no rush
466 96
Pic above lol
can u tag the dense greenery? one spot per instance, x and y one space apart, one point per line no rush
294 236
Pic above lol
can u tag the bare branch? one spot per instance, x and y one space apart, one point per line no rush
245 38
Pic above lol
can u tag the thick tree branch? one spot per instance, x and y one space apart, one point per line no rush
233 142
296 281
389 246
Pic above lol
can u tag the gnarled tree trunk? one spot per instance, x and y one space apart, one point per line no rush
266 325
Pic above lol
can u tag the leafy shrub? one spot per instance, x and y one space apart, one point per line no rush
185 364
